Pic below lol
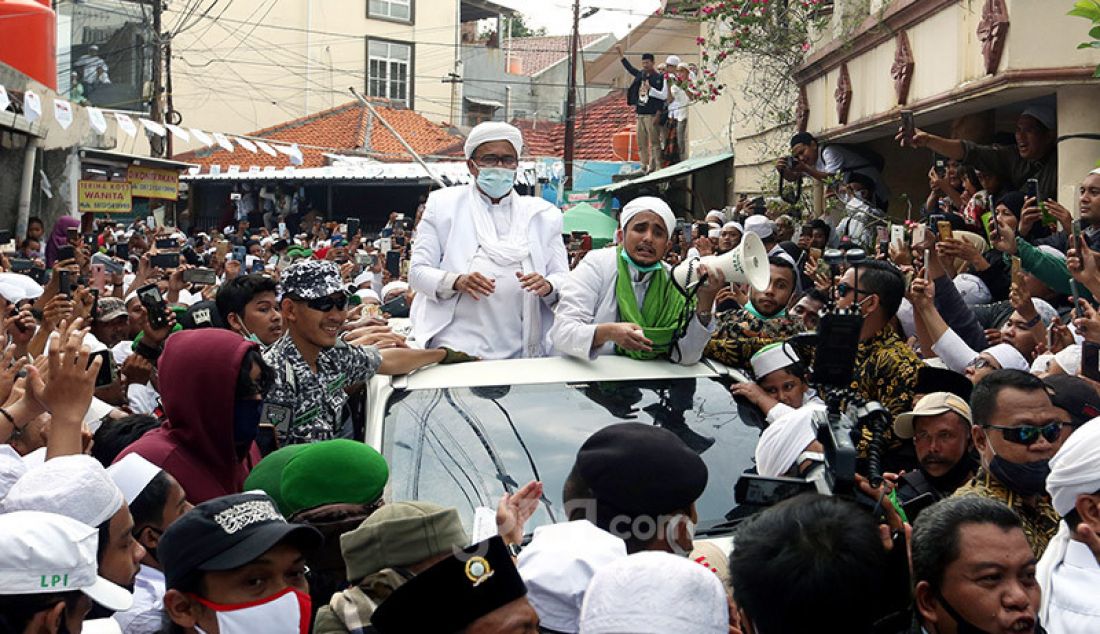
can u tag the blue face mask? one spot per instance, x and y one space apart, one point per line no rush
495 182
643 268
246 420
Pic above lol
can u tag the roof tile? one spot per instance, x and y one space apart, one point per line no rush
536 54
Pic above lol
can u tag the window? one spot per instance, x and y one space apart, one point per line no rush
388 75
390 9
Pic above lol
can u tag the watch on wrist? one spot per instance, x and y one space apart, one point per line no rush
514 549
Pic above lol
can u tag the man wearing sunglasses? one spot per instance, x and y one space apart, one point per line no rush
1017 430
313 365
487 263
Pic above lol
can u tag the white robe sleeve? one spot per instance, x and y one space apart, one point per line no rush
691 345
557 261
425 275
574 326
954 352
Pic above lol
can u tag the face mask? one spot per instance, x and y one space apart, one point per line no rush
284 613
641 268
670 534
962 626
246 420
495 182
1029 478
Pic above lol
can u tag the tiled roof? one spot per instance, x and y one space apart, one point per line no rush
597 123
536 54
343 129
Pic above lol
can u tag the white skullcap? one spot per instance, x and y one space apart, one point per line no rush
367 294
1075 469
713 234
15 287
74 486
734 225
493 131
1046 312
11 469
132 474
363 278
393 286
672 60
760 225
1095 171
1041 363
1008 357
648 203
715 213
1070 359
973 289
771 358
559 564
1053 252
784 440
655 593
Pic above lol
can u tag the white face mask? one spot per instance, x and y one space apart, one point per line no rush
286 612
671 530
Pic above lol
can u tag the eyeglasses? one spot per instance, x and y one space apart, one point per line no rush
1029 434
328 302
979 362
493 160
844 288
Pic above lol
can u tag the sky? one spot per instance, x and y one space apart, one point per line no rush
615 16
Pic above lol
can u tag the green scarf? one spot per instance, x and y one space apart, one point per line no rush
659 315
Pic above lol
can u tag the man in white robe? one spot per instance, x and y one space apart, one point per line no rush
588 321
487 263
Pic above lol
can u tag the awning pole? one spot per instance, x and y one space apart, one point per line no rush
400 139
26 188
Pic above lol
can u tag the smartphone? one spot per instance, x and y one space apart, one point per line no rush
897 235
169 260
64 283
99 276
73 233
944 228
908 127
363 259
267 440
66 252
222 248
1031 189
189 256
1090 360
154 304
91 240
927 268
239 253
918 234
108 371
21 264
1015 267
151 222
282 229
882 233
204 276
384 245
353 228
393 263
166 244
5 236
122 250
111 266
918 504
397 307
941 168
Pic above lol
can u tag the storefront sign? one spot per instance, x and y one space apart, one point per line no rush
150 182
103 197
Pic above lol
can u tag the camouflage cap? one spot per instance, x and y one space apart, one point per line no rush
312 279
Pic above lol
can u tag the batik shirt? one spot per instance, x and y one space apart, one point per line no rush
1038 516
306 406
741 333
885 371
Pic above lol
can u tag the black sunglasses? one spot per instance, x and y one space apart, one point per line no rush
1029 434
844 288
328 302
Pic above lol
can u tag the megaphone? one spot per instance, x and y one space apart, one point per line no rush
748 263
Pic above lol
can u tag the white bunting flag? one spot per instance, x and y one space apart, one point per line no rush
233 169
291 151
126 124
267 149
44 184
202 137
32 106
223 141
153 127
246 144
5 101
178 132
194 170
215 169
63 113
253 169
95 117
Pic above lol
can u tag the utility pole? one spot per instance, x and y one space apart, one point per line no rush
571 98
156 144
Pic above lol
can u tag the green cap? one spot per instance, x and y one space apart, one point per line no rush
401 534
333 472
267 476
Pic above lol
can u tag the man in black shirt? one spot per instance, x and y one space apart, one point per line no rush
650 134
939 426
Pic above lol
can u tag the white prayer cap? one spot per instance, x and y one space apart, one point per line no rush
132 474
15 287
1053 252
715 213
973 289
368 296
559 564
734 225
393 286
1075 469
1046 312
648 203
48 552
713 234
1041 363
654 593
493 131
771 358
1008 357
1070 359
74 486
782 442
760 225
11 469
672 60
363 278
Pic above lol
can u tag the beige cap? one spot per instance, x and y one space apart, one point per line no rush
932 404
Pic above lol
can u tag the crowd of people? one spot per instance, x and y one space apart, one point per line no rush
180 449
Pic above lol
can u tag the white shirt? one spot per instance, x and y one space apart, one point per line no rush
143 399
144 617
1073 603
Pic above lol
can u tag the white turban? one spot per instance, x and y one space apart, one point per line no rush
393 286
652 593
1069 359
784 440
648 203
734 225
715 213
1008 357
493 131
760 225
368 296
672 60
973 289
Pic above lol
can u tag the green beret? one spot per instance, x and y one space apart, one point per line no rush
333 472
267 476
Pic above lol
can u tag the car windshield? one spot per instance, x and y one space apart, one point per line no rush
464 447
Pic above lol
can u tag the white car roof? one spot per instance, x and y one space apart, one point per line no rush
556 370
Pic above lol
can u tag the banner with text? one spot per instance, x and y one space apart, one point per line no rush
150 182
103 197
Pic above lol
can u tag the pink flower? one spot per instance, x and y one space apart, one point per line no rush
700 40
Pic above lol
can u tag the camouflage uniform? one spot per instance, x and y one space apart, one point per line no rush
1040 520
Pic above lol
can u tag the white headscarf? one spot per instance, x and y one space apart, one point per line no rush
784 440
648 203
493 131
